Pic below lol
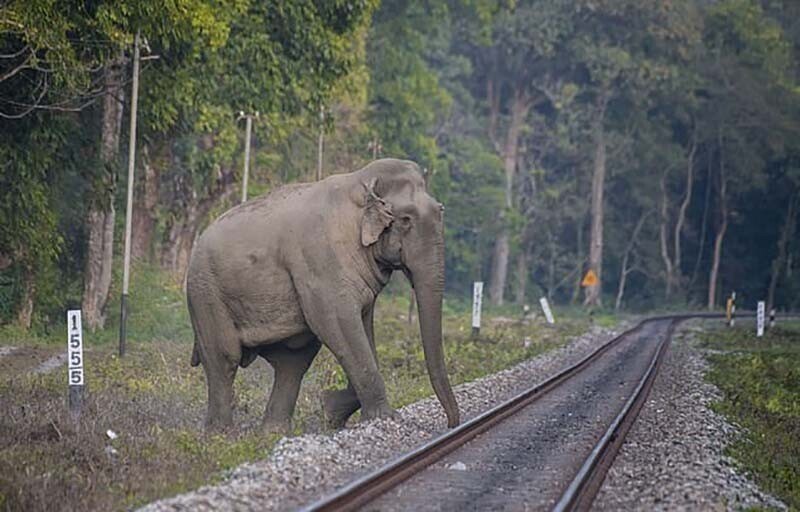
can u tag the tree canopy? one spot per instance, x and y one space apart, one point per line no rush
657 143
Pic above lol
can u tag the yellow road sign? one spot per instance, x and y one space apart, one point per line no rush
590 279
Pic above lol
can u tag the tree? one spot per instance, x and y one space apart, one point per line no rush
516 71
619 69
747 70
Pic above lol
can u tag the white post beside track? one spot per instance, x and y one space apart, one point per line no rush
760 319
477 298
75 361
548 314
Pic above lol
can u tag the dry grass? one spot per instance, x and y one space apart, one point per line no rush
155 402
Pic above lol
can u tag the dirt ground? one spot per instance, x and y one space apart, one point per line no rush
140 435
17 361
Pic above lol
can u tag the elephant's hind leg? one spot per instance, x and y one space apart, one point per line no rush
290 366
220 353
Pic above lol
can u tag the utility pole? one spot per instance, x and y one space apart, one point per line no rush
126 270
247 135
320 142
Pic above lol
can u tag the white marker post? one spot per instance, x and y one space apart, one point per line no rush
760 319
477 297
547 313
75 361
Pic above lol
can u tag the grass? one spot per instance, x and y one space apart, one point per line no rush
760 380
155 402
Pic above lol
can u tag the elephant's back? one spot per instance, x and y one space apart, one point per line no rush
275 203
261 217
254 232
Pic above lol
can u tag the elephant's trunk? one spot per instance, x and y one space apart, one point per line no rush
428 280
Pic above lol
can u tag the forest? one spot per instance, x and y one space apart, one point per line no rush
655 142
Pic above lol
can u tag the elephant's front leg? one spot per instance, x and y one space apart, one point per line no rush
340 404
339 324
290 365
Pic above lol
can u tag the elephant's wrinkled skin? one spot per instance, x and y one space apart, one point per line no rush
278 275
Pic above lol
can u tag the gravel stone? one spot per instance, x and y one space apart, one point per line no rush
673 456
304 468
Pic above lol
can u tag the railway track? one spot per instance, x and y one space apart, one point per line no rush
548 447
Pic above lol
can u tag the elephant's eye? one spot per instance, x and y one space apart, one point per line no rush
405 220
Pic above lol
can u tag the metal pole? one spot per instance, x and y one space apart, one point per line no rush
123 314
320 142
248 131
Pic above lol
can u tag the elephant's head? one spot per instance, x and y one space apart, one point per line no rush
402 226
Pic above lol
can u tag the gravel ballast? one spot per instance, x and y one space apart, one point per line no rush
304 468
673 456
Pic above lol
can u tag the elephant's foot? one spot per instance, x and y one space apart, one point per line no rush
382 411
338 406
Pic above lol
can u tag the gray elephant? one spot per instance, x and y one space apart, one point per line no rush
279 275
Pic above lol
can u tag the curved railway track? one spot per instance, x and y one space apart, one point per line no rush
384 488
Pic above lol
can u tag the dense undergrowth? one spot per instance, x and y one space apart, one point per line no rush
760 380
155 402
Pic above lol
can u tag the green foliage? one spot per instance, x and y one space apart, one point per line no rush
407 101
760 380
155 402
432 81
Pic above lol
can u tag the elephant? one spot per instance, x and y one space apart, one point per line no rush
279 275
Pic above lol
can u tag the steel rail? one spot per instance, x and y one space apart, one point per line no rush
580 493
368 487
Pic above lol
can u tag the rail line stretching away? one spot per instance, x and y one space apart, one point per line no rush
579 494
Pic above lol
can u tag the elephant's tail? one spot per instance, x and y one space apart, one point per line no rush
195 355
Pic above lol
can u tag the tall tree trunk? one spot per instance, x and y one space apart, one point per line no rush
100 218
522 275
184 226
502 248
625 270
25 310
143 223
723 227
662 234
687 199
579 260
176 246
789 225
551 265
703 225
594 293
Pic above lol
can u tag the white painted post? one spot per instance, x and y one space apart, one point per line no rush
248 130
547 313
320 141
126 258
760 319
75 361
477 297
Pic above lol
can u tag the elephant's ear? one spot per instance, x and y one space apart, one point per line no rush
377 216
